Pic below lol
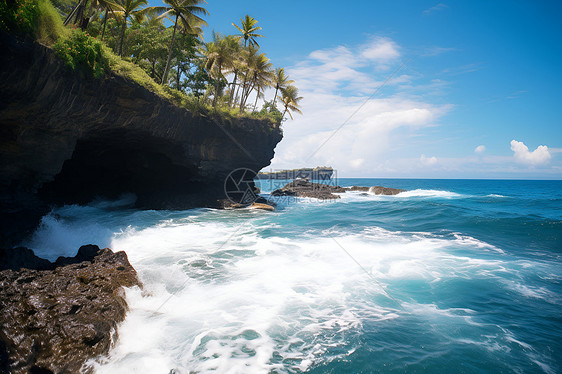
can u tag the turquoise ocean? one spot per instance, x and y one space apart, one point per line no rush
451 276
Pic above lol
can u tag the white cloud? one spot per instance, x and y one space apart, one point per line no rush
436 51
434 9
541 155
335 83
380 49
480 149
356 163
428 161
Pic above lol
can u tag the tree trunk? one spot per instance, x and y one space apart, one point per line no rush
275 97
233 89
242 95
122 36
178 76
257 97
217 87
165 75
104 23
245 96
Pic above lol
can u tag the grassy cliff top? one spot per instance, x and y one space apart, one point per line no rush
40 20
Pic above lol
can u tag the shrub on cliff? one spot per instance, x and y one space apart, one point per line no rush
33 18
80 50
19 16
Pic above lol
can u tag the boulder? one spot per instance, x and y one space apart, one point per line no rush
262 206
379 190
305 188
56 316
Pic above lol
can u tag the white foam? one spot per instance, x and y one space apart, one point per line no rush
430 193
223 293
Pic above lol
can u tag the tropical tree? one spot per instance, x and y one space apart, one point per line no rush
280 81
235 67
186 13
290 99
218 55
258 74
248 31
106 6
132 8
147 41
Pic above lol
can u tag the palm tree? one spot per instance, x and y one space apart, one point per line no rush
108 6
257 75
218 58
236 66
280 81
132 8
248 31
184 11
290 99
263 77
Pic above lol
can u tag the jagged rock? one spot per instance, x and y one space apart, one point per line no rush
358 188
380 190
304 188
67 138
54 320
376 190
262 206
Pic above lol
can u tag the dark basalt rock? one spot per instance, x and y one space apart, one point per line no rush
54 320
305 188
377 190
67 138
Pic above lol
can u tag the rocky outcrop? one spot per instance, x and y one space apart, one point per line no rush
66 138
55 319
376 190
305 188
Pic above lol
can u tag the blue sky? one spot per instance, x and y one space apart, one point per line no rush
474 74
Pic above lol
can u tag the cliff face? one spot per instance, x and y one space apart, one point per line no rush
67 138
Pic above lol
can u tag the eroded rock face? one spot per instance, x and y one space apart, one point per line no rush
376 190
305 188
67 138
380 190
56 319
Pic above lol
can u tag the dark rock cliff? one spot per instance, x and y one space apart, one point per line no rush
67 138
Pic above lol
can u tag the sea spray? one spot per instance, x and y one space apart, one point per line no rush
246 291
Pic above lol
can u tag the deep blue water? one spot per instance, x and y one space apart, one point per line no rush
451 276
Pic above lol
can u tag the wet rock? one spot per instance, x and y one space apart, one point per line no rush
262 206
379 190
55 319
358 188
305 188
376 190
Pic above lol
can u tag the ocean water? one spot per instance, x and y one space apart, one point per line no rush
451 276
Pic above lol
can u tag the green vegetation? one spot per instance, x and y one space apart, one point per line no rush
32 18
80 50
216 78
